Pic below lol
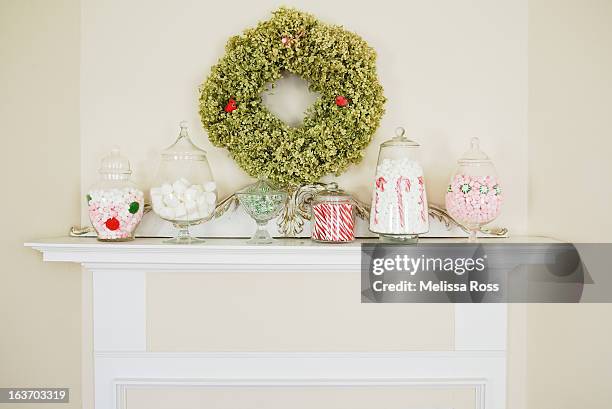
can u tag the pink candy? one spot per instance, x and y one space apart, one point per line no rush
473 200
124 205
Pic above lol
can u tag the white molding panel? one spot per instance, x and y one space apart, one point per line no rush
485 371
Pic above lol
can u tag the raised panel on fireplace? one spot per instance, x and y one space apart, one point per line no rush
361 397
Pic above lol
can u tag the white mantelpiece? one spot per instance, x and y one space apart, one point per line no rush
121 359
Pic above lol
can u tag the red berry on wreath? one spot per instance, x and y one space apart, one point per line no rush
112 224
341 101
231 105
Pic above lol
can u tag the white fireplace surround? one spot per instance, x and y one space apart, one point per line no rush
116 304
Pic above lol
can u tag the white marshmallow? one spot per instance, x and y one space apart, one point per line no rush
179 187
211 198
191 194
180 210
157 201
167 213
171 200
156 191
209 186
190 205
166 189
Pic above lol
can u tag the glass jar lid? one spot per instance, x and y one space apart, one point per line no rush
332 193
400 139
183 148
474 155
115 163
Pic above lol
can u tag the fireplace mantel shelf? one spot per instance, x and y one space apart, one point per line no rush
287 255
115 307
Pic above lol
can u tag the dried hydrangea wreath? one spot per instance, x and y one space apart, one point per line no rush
338 64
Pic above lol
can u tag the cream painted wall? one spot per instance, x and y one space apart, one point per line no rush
569 361
40 304
451 70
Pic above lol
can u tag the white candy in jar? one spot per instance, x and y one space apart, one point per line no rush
183 201
399 198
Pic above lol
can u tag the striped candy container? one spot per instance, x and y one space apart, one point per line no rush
333 216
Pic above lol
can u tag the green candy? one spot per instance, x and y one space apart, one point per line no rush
88 197
134 206
465 188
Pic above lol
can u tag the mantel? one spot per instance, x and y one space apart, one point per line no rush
287 255
115 311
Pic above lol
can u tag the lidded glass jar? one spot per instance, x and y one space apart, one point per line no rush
333 216
474 195
184 192
114 203
399 209
263 202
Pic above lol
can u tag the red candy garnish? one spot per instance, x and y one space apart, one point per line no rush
341 101
231 105
112 224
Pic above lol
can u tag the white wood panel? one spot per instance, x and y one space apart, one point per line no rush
119 308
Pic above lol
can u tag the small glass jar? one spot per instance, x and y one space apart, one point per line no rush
114 203
263 202
474 195
333 216
399 209
184 191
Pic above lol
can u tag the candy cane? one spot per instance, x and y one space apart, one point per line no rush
380 185
402 182
333 222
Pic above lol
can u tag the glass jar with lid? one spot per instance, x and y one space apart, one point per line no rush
184 191
399 210
333 216
263 201
114 203
474 195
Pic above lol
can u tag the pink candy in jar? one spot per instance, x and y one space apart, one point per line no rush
474 195
115 204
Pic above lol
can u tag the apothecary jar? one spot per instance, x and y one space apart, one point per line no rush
184 191
399 210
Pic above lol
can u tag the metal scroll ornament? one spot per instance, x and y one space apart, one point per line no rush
297 211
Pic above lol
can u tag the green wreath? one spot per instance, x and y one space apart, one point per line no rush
338 64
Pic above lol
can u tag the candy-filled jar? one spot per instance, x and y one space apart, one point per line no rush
474 195
333 216
399 209
114 203
184 192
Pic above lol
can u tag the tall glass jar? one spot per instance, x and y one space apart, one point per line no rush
399 209
184 191
474 195
114 203
333 216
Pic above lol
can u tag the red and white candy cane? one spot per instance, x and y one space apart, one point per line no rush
333 222
380 186
402 184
